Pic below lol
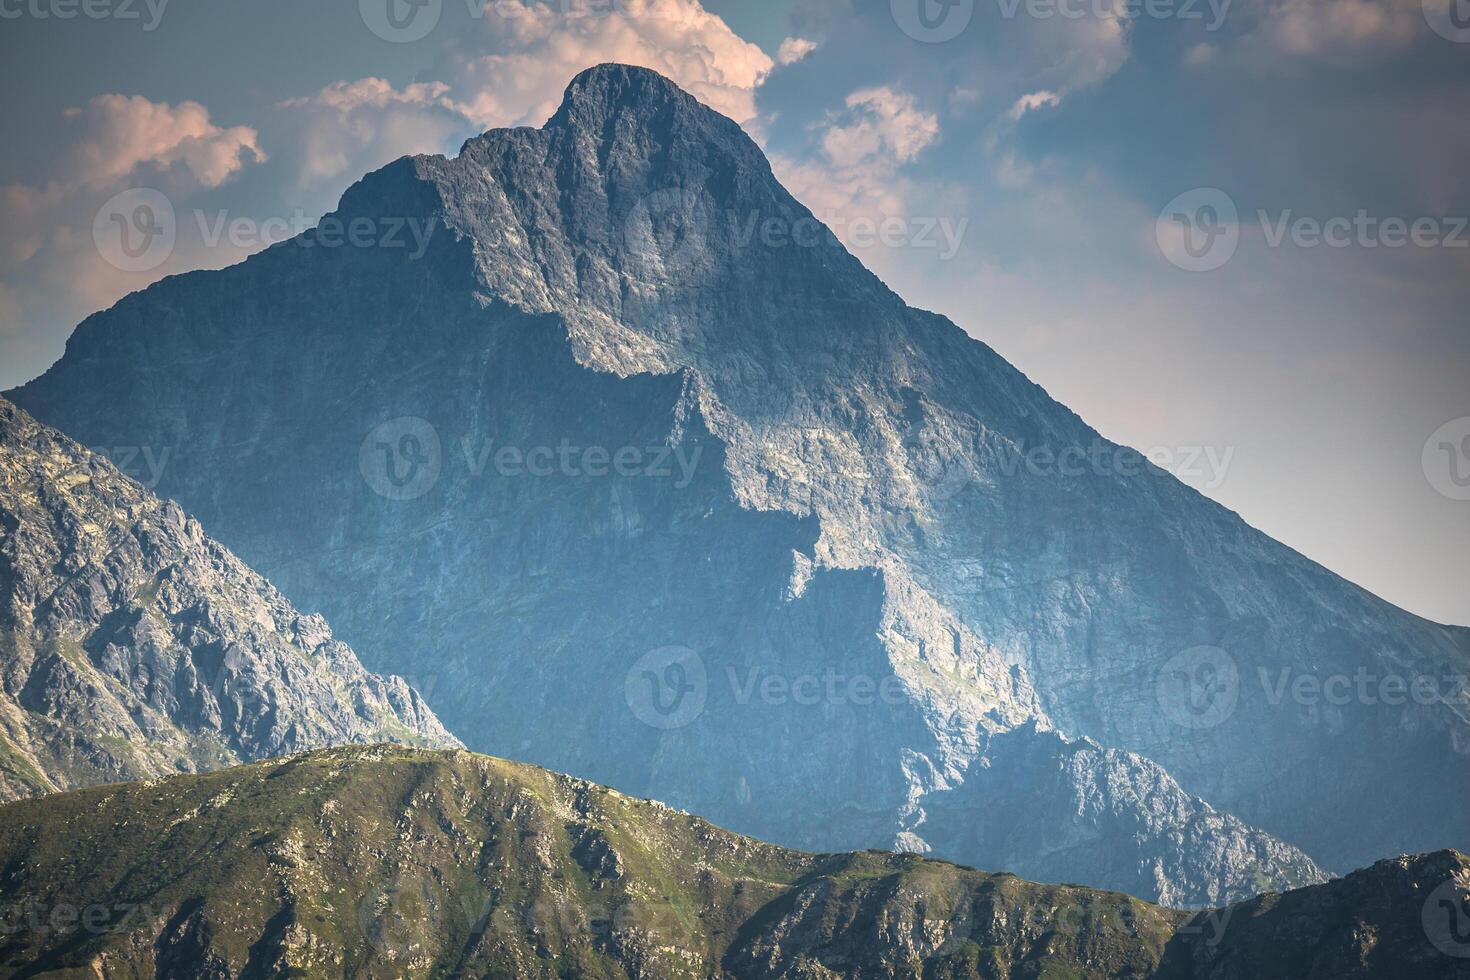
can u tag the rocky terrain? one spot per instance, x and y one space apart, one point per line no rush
132 645
381 861
710 515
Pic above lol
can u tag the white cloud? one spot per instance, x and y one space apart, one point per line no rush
1341 29
125 134
51 271
350 128
1032 101
856 171
879 124
793 49
514 73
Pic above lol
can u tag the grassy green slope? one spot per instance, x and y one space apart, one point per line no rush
390 862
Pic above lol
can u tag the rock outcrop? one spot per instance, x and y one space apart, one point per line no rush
133 645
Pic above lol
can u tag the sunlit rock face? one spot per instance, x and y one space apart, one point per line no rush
633 484
133 645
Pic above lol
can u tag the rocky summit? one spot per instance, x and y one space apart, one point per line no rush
381 861
133 645
636 473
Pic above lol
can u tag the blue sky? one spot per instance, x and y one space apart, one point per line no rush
1057 176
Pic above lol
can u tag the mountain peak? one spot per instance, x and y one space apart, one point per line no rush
611 100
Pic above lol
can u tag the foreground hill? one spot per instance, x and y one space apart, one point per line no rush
387 862
132 645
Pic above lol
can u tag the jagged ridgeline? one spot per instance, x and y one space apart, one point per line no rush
619 484
133 645
390 862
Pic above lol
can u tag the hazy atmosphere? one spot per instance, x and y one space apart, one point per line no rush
763 490
1017 165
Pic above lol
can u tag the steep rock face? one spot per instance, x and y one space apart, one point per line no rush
821 494
385 862
1189 854
132 645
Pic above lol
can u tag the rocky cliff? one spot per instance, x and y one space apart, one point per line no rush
132 645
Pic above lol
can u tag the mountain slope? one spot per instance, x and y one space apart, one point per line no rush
131 645
828 531
379 861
